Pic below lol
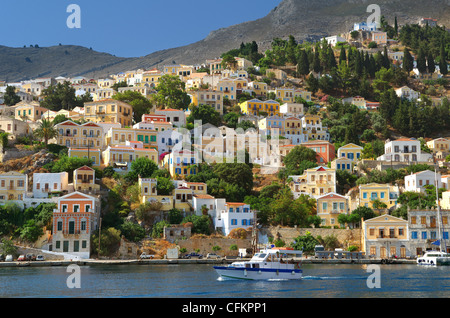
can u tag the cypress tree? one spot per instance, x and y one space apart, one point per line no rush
421 61
303 63
316 61
386 62
430 63
408 62
396 26
342 56
443 60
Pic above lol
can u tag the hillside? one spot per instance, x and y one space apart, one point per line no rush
306 20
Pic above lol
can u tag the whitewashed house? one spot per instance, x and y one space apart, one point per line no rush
416 182
46 183
404 150
407 93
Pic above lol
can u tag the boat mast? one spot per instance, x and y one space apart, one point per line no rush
254 234
441 238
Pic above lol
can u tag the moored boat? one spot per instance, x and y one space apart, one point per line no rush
434 258
265 265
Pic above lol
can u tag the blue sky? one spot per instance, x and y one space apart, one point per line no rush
124 28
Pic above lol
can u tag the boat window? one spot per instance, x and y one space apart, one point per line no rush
261 255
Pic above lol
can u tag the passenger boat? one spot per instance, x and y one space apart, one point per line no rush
434 258
275 263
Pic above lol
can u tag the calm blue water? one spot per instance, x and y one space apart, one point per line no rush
201 281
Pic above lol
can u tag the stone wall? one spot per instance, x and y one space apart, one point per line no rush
205 245
346 237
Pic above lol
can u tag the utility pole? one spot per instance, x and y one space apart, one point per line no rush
99 236
254 234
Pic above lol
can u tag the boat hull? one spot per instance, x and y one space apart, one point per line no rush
258 273
439 261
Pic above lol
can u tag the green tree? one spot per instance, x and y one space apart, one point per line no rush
140 104
132 231
171 93
10 97
295 160
142 167
205 113
306 243
202 224
60 96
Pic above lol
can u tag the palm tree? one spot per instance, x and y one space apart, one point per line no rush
46 131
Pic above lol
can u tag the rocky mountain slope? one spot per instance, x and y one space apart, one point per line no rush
305 19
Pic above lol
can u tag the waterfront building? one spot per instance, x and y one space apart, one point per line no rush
385 236
424 229
74 220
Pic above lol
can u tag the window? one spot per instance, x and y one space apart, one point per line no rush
413 220
64 207
423 220
60 225
414 235
71 227
233 221
76 208
58 244
83 225
364 195
424 235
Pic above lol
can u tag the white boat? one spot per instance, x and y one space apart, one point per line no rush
267 264
434 258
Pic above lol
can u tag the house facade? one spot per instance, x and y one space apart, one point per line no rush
386 236
74 220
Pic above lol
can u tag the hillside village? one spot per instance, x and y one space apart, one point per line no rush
351 133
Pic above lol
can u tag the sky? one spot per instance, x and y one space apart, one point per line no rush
125 28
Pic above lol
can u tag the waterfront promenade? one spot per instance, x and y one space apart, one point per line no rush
93 262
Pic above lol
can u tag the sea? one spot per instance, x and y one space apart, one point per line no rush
200 281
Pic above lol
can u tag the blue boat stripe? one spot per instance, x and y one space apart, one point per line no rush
274 270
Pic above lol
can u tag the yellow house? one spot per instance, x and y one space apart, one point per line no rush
350 151
109 110
180 163
196 187
120 136
207 97
385 236
13 185
228 87
285 94
92 153
385 193
71 134
330 206
344 164
259 88
256 106
84 180
149 193
439 144
123 156
293 126
314 129
183 198
28 112
151 78
314 182
172 69
302 94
